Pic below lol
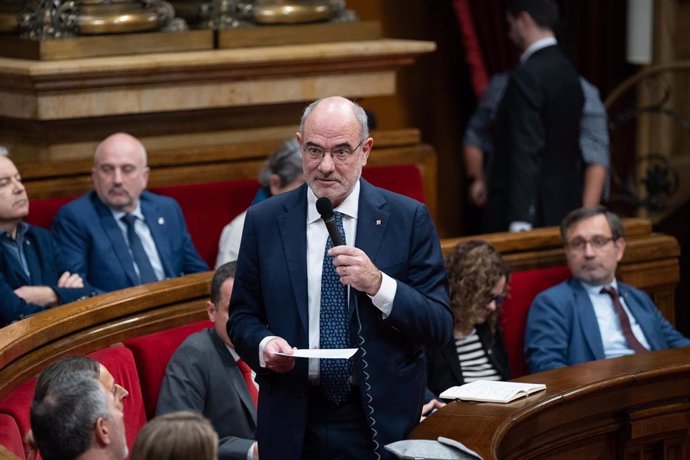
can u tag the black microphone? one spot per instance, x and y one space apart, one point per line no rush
325 208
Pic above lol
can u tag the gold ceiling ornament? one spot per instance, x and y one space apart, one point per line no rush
49 19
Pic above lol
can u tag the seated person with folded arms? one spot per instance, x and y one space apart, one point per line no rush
33 276
205 375
281 173
593 316
478 280
120 235
177 435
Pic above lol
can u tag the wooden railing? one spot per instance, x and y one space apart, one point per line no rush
633 407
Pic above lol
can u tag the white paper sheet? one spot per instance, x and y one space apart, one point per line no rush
334 353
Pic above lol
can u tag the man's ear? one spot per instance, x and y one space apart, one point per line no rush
620 248
211 311
101 432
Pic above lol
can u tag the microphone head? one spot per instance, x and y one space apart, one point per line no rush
324 207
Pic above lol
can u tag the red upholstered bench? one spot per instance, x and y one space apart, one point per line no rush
10 437
117 359
152 353
524 287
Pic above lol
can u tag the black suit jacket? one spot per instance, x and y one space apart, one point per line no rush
537 172
444 370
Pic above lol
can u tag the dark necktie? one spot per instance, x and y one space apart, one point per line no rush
333 330
141 259
247 374
624 320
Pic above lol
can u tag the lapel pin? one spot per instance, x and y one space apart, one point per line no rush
378 221
161 221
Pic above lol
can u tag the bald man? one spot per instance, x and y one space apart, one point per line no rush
383 292
120 235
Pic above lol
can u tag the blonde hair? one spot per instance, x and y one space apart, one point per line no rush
176 436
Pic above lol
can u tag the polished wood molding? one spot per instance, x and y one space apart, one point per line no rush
27 346
633 407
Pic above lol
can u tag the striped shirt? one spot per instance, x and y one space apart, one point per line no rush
474 361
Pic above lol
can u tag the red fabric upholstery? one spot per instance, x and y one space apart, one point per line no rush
208 207
42 212
18 403
152 353
120 362
10 437
405 179
524 287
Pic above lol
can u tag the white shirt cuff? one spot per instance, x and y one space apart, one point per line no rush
383 300
519 226
262 344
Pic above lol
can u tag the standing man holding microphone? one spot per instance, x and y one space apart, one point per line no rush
384 292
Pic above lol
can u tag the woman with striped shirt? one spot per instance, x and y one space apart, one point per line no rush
478 280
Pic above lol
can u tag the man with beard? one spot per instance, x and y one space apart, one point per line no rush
120 235
592 316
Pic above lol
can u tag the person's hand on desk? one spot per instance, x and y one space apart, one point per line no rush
430 407
356 269
275 362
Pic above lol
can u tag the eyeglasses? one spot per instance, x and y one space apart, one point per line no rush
580 244
500 299
339 154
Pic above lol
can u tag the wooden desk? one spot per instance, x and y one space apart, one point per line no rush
634 407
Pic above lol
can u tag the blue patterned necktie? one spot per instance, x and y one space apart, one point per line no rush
333 330
146 273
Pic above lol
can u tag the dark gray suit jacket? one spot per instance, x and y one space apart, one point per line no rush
202 376
536 174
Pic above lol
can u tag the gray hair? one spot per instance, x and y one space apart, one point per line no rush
579 214
360 115
63 421
286 163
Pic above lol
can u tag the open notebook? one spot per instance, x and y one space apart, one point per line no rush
492 391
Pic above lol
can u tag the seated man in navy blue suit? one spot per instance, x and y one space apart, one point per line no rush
33 276
381 289
120 235
593 316
206 375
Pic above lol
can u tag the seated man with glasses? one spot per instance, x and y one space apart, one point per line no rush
592 316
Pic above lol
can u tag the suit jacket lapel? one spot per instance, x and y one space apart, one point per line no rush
645 322
588 320
32 261
235 375
117 240
159 232
293 235
372 221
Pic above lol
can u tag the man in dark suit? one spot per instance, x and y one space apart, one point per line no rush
592 316
120 235
204 376
385 292
33 276
537 173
